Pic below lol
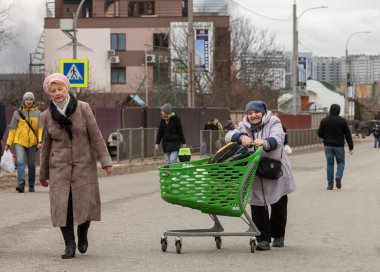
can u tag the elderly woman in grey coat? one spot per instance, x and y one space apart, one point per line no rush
71 141
260 128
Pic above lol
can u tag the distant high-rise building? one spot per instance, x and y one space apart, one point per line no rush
364 69
329 69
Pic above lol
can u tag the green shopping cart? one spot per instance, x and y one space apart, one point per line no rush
217 189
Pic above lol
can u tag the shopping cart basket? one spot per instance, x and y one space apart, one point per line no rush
217 189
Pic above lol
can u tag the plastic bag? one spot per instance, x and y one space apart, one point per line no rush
288 149
7 162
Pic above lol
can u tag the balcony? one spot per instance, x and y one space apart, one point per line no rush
135 9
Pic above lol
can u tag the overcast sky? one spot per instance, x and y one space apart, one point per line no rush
324 32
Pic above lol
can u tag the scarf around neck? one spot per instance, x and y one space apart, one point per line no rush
63 105
64 120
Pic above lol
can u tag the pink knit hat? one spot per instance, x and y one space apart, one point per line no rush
54 78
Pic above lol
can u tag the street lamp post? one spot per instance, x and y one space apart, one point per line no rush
348 72
75 40
295 54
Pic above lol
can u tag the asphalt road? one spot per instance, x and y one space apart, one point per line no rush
327 230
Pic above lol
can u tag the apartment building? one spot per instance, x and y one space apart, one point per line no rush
133 47
364 69
329 69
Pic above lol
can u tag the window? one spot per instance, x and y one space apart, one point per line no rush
118 75
138 8
161 40
112 8
118 41
161 74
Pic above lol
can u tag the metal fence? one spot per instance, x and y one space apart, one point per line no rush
303 138
138 143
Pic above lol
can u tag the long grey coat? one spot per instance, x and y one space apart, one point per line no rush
273 189
72 163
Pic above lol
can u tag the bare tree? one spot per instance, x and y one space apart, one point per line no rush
243 56
14 87
257 61
5 30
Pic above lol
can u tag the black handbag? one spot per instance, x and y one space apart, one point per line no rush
269 168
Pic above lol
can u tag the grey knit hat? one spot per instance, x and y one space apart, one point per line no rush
167 108
257 105
28 95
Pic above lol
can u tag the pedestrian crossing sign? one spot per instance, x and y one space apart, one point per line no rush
76 70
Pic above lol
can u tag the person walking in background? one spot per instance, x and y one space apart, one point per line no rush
333 129
376 134
25 133
229 125
170 134
260 128
212 124
3 126
71 143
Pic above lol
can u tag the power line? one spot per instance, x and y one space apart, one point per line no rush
305 47
258 14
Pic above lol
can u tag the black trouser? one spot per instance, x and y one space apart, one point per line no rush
68 230
273 226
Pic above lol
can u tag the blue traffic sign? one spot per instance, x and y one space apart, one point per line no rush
76 70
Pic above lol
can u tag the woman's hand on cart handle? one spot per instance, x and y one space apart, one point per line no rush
245 141
258 142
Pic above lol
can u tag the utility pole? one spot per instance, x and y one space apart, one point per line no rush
295 61
348 72
190 48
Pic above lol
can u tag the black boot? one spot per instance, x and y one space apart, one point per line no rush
82 236
20 188
68 236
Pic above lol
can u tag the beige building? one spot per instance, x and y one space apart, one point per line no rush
128 42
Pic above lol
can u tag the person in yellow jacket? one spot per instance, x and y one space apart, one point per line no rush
25 133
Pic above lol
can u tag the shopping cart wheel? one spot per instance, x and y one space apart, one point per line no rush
253 243
178 244
164 243
218 242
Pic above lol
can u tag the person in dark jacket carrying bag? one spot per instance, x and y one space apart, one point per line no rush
334 130
170 134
